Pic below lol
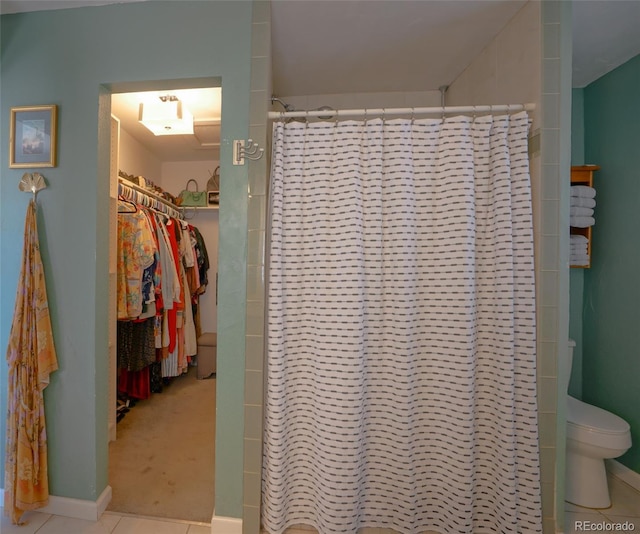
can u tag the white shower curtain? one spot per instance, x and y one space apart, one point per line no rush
401 389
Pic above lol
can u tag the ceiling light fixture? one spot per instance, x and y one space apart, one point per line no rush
166 117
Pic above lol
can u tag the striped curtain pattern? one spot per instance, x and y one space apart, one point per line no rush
401 380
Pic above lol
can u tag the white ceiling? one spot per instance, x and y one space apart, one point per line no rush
355 46
203 103
605 35
324 47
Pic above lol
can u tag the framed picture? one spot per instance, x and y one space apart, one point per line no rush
32 141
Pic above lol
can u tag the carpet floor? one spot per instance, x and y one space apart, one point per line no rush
163 460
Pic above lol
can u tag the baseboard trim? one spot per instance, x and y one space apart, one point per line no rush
104 500
225 525
78 508
624 473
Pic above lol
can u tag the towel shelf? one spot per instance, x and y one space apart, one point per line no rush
583 175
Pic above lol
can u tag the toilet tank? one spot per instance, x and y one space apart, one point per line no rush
571 345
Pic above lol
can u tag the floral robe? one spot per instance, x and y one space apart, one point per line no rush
136 252
31 357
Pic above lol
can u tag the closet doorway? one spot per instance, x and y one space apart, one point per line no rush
162 383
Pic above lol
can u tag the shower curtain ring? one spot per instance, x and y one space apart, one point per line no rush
413 116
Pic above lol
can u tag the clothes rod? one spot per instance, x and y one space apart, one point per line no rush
150 194
333 113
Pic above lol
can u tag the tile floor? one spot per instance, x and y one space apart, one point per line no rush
109 523
624 512
625 508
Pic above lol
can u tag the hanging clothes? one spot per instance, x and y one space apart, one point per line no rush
31 357
136 344
188 255
136 252
158 286
170 281
175 311
202 258
198 275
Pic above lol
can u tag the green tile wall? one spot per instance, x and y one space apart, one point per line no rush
552 266
256 267
553 292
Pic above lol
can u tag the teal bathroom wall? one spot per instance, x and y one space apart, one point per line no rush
611 332
576 275
73 58
577 127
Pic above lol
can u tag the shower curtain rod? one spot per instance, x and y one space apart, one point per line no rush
439 110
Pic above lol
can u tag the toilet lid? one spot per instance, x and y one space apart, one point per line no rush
586 415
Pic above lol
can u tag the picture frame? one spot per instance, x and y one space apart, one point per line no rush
32 140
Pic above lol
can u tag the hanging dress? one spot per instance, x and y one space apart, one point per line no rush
31 357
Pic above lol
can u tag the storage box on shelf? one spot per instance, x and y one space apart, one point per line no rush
583 175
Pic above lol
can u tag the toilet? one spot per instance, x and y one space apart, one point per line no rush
593 434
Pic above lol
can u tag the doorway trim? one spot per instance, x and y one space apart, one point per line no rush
88 509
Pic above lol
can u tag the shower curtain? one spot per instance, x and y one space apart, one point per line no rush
401 380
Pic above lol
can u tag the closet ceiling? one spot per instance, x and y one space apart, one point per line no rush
323 47
204 105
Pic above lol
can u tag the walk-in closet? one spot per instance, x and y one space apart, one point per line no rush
164 201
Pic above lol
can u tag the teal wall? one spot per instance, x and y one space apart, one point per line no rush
73 58
611 330
576 276
577 127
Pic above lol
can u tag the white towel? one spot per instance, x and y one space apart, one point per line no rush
580 261
577 238
578 250
581 222
578 253
579 202
583 191
581 212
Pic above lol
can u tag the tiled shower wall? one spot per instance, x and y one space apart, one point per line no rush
256 245
527 62
556 176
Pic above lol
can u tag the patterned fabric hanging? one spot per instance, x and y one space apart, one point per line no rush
31 357
401 379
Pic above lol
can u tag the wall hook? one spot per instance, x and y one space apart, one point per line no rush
32 183
246 149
